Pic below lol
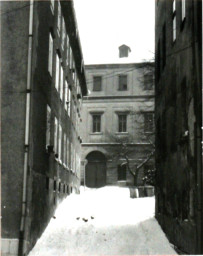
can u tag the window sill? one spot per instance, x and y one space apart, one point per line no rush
121 133
96 133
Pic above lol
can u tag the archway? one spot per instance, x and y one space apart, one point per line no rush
95 171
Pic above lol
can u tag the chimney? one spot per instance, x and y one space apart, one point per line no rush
124 51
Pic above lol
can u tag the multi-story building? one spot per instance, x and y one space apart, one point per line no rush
178 115
43 82
118 112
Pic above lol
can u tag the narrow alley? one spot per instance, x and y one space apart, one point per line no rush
103 221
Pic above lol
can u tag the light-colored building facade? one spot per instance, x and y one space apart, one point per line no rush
119 109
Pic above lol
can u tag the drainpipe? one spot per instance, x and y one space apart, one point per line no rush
27 128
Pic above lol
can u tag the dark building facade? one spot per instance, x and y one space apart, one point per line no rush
178 115
43 82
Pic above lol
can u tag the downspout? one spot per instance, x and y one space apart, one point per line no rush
27 130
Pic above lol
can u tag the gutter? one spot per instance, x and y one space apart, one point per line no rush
27 130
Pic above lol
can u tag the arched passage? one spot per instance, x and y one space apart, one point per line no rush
95 171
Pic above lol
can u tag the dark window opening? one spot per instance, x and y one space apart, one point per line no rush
148 122
122 83
148 81
122 123
55 185
59 188
97 83
122 168
96 118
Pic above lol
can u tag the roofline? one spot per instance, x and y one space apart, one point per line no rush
116 65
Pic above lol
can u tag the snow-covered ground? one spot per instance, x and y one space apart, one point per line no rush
103 221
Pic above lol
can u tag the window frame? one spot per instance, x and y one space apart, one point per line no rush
148 126
174 21
50 58
123 122
120 85
94 89
95 126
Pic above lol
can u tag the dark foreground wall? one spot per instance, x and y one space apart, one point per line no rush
178 124
51 175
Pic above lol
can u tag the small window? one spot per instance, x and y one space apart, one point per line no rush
122 123
60 143
63 33
148 122
61 84
183 9
56 135
50 60
48 126
96 119
69 101
59 19
122 172
174 20
57 72
148 81
55 185
122 83
97 83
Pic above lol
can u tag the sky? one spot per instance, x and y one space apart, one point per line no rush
104 25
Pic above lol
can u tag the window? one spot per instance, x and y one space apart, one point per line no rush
52 6
63 34
122 123
96 120
60 143
66 96
61 84
97 83
67 51
174 20
148 81
148 122
69 102
67 151
122 172
57 72
50 60
59 19
71 58
183 9
48 127
64 149
56 135
122 83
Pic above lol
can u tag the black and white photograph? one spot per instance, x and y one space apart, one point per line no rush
101 127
